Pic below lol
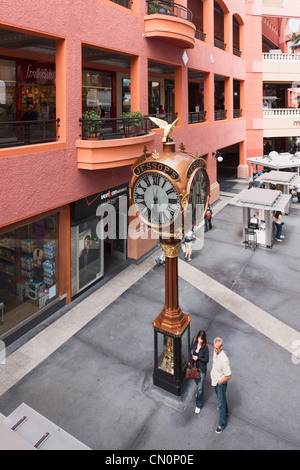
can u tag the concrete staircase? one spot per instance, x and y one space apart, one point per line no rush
25 429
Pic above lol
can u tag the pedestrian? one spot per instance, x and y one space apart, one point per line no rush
220 374
278 224
208 217
200 354
298 193
188 240
161 259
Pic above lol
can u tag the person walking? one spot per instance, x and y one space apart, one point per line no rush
200 354
208 217
278 224
188 240
220 374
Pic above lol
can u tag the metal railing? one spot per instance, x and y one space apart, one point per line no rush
200 35
114 128
236 52
196 117
165 7
237 113
123 3
17 133
220 115
169 117
220 44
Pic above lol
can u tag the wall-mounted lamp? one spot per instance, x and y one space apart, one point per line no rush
218 156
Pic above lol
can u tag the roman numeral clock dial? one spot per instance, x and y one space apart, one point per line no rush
156 199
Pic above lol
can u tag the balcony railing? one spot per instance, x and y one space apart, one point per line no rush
281 57
281 112
196 117
17 133
200 35
114 128
220 115
164 7
220 44
236 52
237 113
123 3
169 117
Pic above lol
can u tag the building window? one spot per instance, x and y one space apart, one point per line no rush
196 96
97 92
28 270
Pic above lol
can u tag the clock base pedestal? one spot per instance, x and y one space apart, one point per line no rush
171 354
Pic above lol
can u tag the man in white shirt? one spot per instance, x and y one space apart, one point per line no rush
220 374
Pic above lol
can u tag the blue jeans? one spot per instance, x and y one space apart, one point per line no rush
222 404
207 224
200 389
278 230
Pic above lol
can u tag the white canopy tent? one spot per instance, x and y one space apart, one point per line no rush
276 161
263 202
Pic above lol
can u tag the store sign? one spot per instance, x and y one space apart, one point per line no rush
86 208
36 72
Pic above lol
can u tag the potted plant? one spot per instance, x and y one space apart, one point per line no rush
91 123
133 121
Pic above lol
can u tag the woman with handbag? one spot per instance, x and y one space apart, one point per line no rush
200 354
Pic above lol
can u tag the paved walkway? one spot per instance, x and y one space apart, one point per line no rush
110 319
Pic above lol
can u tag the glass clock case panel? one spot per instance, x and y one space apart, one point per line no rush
198 194
185 348
165 352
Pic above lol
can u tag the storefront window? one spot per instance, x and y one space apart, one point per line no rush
38 102
7 90
97 92
28 271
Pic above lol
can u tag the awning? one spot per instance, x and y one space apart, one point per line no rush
277 161
258 198
279 177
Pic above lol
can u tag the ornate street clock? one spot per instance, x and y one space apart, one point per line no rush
170 191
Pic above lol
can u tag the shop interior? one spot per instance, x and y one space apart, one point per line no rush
28 271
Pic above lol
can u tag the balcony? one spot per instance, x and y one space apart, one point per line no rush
280 67
196 117
281 122
110 143
220 115
170 22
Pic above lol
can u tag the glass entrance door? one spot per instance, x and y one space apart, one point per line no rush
90 254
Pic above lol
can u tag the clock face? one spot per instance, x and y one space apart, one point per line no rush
198 194
156 199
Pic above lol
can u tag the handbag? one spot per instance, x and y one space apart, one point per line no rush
192 372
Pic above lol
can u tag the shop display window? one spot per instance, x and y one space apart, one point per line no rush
38 102
7 90
28 271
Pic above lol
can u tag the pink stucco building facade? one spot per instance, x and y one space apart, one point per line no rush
62 64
